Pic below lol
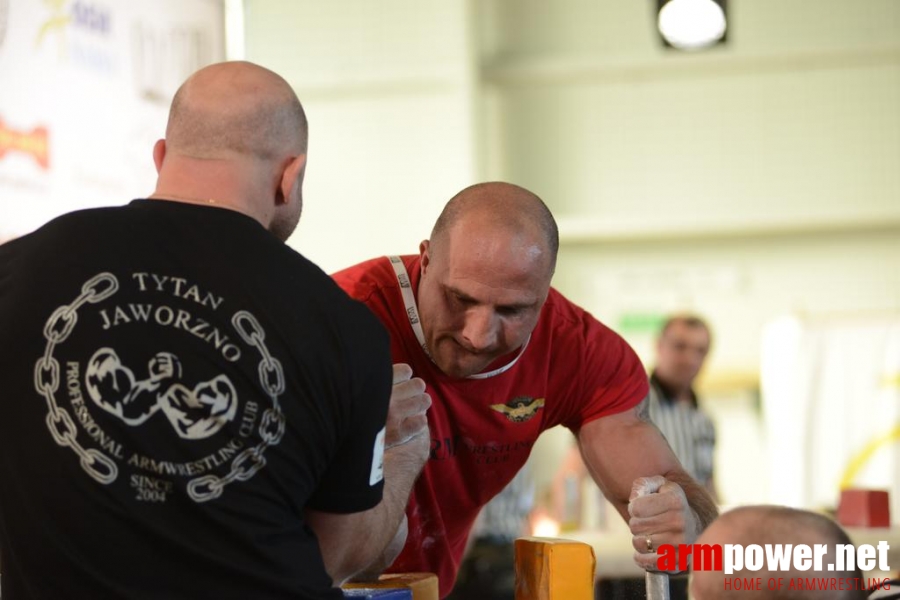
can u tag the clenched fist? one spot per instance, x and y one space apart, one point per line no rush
660 514
409 404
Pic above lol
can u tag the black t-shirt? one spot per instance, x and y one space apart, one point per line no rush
177 386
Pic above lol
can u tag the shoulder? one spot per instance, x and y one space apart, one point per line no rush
563 319
84 217
313 293
328 288
371 279
600 371
581 340
70 225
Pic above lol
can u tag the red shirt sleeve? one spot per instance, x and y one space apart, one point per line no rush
610 376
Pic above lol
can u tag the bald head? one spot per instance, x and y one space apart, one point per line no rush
485 275
504 208
773 525
236 139
236 109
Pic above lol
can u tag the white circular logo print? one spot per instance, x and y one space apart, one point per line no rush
160 416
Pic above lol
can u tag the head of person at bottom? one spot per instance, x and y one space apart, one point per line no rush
236 139
681 349
485 274
762 525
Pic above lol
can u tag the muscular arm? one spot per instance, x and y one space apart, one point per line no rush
368 542
621 448
351 543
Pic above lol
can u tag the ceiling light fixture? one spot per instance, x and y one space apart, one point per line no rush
692 24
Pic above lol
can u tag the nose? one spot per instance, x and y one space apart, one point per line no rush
480 329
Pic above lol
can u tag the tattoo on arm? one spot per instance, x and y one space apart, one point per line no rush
642 410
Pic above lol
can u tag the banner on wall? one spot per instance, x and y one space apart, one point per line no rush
86 86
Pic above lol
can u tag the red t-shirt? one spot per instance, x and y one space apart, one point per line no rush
573 371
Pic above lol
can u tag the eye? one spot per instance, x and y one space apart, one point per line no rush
462 300
510 311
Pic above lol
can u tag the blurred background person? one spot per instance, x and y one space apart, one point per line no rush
681 349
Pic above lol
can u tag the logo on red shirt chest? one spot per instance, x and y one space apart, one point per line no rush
520 408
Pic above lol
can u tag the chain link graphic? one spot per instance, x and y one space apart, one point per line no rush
46 377
271 427
101 467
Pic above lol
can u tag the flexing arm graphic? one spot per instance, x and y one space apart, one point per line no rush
194 413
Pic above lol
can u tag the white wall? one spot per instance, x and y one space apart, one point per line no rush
387 87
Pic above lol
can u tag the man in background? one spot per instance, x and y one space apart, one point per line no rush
185 398
681 349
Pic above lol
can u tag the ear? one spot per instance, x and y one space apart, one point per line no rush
423 255
290 177
159 154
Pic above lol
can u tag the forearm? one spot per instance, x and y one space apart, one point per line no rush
353 543
621 448
402 468
387 557
699 499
